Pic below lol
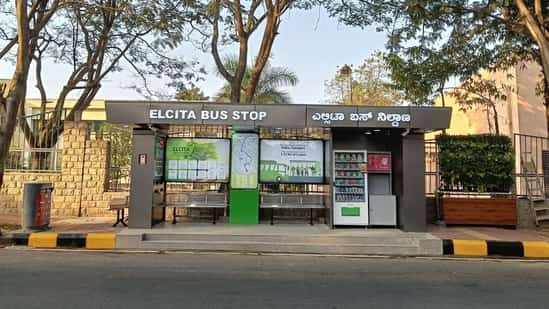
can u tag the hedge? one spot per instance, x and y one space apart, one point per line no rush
476 163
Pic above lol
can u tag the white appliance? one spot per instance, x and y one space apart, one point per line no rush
350 182
382 210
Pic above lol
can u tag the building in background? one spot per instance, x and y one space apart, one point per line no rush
94 112
522 112
521 115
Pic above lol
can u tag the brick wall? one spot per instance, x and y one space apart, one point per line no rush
78 187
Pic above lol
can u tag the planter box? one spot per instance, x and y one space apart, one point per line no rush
480 211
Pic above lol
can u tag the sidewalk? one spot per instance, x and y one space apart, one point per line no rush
281 238
287 238
489 233
72 224
104 224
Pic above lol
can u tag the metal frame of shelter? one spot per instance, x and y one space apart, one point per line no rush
396 130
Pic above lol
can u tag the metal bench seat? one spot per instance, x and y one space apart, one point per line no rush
210 200
292 201
120 205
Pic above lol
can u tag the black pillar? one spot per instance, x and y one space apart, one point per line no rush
412 210
142 175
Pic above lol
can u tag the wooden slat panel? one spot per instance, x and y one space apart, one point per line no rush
493 211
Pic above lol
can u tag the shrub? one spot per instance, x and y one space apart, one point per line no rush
476 163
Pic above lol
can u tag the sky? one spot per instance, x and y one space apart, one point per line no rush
310 43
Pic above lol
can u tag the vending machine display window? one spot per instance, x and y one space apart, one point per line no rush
350 188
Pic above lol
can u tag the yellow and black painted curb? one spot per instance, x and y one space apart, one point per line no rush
483 248
51 240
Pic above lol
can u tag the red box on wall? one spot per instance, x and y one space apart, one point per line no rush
379 162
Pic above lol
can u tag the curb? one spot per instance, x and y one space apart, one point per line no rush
51 240
484 248
450 247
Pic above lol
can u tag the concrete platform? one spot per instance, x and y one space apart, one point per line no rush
279 238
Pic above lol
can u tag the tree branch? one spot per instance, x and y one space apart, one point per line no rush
8 47
214 44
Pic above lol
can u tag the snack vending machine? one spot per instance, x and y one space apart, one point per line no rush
350 188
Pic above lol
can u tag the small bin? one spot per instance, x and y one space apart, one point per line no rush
36 206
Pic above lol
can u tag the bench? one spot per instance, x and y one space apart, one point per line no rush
119 204
274 201
209 200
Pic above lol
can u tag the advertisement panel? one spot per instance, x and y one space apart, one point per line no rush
244 162
197 160
379 162
159 158
292 161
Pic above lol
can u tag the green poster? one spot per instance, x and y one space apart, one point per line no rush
292 161
159 158
197 160
244 163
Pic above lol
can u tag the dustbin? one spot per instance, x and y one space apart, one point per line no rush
36 206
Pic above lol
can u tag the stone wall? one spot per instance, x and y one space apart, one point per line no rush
11 194
79 188
525 215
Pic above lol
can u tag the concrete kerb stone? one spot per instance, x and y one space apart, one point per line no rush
495 248
101 241
427 246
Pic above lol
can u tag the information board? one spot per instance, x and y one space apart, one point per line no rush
292 161
197 160
244 162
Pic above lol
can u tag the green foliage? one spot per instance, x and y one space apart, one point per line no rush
268 89
431 43
371 84
120 144
485 94
190 93
476 163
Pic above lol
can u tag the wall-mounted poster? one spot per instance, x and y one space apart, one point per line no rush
292 161
244 160
379 162
159 158
197 160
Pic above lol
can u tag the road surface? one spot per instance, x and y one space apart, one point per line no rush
37 279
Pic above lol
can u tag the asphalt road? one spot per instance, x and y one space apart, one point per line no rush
35 279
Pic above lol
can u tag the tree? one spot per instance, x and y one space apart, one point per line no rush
30 20
454 38
96 38
268 87
482 93
369 84
190 93
233 22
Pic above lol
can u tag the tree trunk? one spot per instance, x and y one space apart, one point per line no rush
236 84
16 91
235 91
496 120
443 100
546 99
269 35
1 174
16 96
489 120
537 32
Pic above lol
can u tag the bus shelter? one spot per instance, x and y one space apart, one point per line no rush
356 165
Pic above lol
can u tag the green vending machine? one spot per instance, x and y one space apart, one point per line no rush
244 194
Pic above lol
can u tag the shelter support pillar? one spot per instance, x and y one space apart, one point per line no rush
142 179
244 194
412 210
